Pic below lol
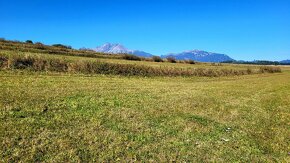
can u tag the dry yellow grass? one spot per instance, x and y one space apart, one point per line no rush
73 117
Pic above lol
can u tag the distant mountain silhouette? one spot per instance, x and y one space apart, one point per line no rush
285 61
120 49
199 55
196 55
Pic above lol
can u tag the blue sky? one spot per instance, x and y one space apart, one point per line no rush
243 29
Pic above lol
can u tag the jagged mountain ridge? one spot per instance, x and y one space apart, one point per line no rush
120 49
199 55
285 61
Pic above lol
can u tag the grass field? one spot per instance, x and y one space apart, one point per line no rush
49 113
58 117
91 65
120 61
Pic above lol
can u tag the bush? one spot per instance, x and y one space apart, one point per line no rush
3 61
86 50
97 67
270 69
189 61
171 59
18 62
216 64
39 45
29 42
131 57
147 59
157 59
249 71
62 46
57 65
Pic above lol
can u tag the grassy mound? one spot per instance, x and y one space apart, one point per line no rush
37 63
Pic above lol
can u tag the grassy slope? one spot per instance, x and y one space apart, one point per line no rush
146 63
61 117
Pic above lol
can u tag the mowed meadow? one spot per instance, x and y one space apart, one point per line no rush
49 115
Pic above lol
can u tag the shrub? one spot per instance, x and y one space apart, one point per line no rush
157 59
86 50
57 65
270 69
40 64
29 42
18 62
171 59
131 57
97 67
147 59
39 45
216 64
249 71
62 46
189 61
3 61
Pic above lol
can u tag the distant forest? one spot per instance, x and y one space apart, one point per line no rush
257 62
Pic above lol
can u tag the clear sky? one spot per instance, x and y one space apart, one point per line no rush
243 29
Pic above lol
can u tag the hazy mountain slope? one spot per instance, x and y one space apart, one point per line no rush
199 55
120 49
285 61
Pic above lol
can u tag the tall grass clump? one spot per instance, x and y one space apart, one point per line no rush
3 61
36 63
216 64
39 45
131 57
171 59
157 59
19 62
270 69
189 61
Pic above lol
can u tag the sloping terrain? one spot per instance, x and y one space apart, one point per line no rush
65 105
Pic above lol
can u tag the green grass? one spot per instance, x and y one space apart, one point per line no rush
57 117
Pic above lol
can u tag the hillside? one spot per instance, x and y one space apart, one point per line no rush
117 51
57 49
61 58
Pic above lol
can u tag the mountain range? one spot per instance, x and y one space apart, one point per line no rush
120 49
285 61
196 55
199 55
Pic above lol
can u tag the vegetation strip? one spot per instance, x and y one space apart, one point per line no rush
96 67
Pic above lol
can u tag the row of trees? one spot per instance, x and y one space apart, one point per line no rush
155 59
257 62
55 45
